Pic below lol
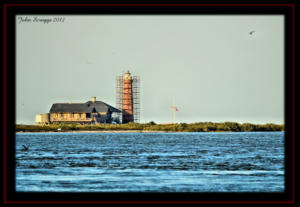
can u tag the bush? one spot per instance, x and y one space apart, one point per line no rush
152 123
182 127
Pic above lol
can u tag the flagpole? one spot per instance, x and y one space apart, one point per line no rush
174 116
174 112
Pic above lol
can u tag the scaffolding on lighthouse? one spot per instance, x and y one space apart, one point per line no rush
128 97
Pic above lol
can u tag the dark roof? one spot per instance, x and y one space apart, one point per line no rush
88 107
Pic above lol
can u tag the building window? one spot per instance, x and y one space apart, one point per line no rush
88 115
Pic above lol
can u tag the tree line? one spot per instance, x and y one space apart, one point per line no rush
152 126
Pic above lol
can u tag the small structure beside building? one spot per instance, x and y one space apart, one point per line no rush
91 112
42 119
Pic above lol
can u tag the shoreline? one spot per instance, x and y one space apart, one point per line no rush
96 131
132 131
150 128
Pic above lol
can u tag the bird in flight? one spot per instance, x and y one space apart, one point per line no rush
25 148
251 32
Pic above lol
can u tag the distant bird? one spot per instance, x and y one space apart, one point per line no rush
251 32
25 148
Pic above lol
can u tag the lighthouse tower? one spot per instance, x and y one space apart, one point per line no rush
128 98
127 105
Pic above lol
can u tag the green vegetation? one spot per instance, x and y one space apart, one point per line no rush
152 126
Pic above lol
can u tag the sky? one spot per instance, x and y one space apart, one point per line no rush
210 65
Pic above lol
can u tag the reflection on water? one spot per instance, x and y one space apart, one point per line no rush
150 162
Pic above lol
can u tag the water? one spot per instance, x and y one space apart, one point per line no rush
150 162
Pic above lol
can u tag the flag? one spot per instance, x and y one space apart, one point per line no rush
174 108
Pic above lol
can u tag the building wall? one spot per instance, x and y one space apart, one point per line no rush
41 119
101 117
69 117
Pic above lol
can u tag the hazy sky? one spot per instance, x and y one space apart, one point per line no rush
211 65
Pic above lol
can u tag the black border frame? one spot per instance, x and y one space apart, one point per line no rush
10 10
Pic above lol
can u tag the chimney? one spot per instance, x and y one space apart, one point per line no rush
94 99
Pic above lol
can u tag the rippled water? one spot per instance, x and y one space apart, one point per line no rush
150 162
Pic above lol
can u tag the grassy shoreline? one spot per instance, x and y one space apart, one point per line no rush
97 131
152 127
